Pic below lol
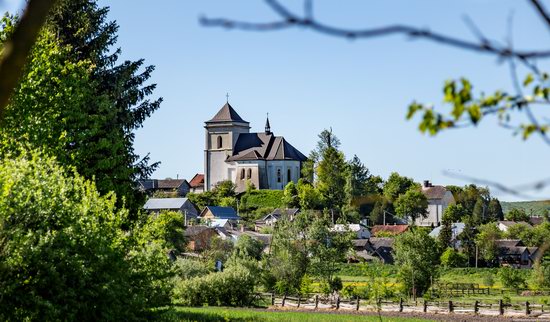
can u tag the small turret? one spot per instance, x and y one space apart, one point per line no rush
267 125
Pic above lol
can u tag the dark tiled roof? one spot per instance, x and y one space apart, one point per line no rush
360 243
264 146
434 192
508 243
226 114
378 242
536 220
170 183
195 230
148 184
197 181
392 229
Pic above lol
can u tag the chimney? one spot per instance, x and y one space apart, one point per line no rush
427 184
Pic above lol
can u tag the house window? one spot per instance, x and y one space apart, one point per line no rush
279 175
242 174
288 175
220 142
249 173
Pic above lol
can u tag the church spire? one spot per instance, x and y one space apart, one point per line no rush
267 126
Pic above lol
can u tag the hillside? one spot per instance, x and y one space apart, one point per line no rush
531 207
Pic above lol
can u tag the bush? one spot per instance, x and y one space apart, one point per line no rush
452 258
257 199
189 268
63 255
232 287
511 277
489 280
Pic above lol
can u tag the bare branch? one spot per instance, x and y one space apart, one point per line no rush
541 11
290 19
17 48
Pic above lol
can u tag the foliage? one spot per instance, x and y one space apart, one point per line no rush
63 253
310 198
331 178
417 256
290 196
452 258
511 277
396 185
189 268
454 213
328 249
412 204
77 104
516 215
379 214
165 229
486 241
257 199
232 287
357 180
218 250
541 275
247 246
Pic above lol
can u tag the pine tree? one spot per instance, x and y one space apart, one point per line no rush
331 174
357 178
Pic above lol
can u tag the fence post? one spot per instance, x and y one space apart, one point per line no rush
357 304
476 307
316 301
500 307
272 299
299 299
338 302
527 308
401 305
488 291
425 308
284 300
451 308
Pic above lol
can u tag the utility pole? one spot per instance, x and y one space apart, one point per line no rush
477 254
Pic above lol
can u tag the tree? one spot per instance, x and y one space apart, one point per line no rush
89 126
452 258
454 213
494 210
165 229
357 179
248 247
486 241
396 185
331 177
63 254
412 205
309 197
380 212
478 214
291 198
517 214
328 249
417 256
523 232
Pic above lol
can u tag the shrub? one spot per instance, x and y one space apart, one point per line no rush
257 199
189 268
232 287
511 277
452 258
489 280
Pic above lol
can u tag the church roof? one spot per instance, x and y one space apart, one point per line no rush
226 114
264 146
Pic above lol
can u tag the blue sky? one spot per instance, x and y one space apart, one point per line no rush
308 82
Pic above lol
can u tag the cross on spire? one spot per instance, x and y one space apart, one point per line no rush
267 125
227 97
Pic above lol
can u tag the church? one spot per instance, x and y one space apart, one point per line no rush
233 153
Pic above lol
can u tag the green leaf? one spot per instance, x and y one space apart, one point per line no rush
528 80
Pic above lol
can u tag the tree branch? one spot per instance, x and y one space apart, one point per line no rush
17 48
541 11
290 19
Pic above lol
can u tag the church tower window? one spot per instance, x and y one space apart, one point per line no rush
249 173
220 142
242 174
288 175
279 175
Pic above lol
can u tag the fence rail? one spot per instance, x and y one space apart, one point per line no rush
316 301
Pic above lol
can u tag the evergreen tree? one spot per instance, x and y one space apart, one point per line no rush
357 179
101 131
494 210
331 176
291 199
478 214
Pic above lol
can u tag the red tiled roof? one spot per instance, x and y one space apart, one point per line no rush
197 181
392 229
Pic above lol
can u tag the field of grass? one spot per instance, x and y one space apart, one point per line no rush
241 314
531 207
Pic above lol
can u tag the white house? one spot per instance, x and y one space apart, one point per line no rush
439 198
233 153
504 225
362 232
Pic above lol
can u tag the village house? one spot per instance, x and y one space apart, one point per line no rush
504 225
197 183
169 187
456 230
211 213
361 232
512 252
439 198
270 219
182 205
374 248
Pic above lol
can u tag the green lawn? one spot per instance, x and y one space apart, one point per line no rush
237 314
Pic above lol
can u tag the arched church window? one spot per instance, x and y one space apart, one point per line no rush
288 175
220 142
279 175
249 173
242 174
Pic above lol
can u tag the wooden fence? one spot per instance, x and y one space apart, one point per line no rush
316 301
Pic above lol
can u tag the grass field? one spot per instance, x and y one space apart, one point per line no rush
531 207
238 314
